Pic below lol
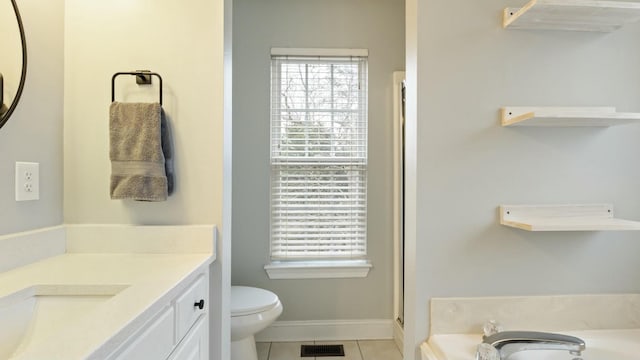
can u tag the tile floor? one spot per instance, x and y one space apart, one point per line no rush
353 350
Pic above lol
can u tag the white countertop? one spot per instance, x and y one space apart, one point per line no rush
148 282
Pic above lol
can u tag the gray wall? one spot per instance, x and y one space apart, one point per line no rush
34 132
467 67
377 25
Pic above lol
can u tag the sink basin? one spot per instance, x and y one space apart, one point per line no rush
589 354
603 345
36 312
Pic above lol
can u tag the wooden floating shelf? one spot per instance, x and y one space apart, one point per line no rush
572 15
566 116
592 217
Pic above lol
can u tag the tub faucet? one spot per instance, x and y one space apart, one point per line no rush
509 342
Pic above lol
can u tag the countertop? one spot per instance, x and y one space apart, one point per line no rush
144 284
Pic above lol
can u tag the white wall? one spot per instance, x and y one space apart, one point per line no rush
377 25
182 41
462 68
34 131
415 324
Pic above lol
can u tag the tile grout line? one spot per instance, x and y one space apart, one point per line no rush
269 351
360 350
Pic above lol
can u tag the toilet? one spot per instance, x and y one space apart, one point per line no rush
252 310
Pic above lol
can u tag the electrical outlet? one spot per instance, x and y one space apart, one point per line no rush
27 181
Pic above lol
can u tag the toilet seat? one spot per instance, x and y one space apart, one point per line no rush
248 300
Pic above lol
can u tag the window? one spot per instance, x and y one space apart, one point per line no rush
318 155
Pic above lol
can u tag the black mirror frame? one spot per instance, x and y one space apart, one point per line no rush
5 117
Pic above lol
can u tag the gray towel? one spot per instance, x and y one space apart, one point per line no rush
167 150
137 160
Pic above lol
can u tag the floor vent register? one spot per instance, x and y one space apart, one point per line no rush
321 350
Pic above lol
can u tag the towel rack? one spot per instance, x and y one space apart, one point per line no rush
143 77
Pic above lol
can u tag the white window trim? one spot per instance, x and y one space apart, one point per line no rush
318 269
318 52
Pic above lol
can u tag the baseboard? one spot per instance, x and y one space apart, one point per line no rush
398 335
328 330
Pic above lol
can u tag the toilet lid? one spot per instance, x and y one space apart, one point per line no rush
249 300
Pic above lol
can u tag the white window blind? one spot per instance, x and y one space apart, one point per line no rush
318 157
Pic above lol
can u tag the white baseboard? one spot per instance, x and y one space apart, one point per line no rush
327 330
398 335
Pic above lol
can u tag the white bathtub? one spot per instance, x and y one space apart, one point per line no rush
608 323
600 344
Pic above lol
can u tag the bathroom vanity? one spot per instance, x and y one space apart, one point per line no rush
179 331
116 293
608 324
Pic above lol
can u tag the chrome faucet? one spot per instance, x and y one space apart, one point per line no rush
509 342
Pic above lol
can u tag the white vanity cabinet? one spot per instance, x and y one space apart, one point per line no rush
178 332
194 346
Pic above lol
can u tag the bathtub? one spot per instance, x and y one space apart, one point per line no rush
608 323
601 345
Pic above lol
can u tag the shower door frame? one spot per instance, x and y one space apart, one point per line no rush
398 206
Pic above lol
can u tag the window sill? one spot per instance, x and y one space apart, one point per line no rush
338 269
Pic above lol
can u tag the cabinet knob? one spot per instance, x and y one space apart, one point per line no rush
199 304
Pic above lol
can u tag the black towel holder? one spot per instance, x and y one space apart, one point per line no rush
143 77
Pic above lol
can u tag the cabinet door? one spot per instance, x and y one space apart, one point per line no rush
186 311
155 341
195 345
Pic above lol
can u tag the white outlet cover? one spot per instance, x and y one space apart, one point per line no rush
27 181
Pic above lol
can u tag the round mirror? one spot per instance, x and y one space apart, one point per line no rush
13 62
